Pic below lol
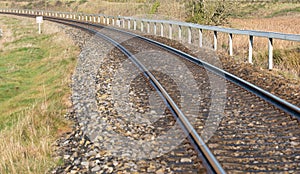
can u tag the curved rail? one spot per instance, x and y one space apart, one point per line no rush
213 163
272 99
267 96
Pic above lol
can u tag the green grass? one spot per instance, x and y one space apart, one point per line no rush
34 81
263 9
284 12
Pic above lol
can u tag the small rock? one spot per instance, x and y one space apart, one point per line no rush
66 156
96 168
294 143
85 163
115 163
73 171
160 171
185 160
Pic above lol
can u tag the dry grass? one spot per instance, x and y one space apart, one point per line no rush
286 53
33 89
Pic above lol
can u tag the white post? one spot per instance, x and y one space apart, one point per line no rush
230 44
113 21
129 24
40 30
200 38
162 29
39 20
215 40
154 28
170 31
189 35
142 26
179 32
250 49
134 24
270 53
148 27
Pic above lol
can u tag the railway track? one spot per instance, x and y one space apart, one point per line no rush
245 128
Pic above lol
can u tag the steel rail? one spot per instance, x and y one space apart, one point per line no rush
267 96
213 163
272 99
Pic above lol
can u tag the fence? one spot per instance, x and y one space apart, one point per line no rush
147 25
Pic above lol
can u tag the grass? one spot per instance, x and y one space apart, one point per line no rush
34 76
263 9
288 51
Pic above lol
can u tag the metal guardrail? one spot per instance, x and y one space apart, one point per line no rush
120 22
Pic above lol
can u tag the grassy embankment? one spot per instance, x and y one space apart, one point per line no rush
34 76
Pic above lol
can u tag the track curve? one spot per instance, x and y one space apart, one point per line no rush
251 135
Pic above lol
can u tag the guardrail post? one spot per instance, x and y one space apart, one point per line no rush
94 19
123 23
154 28
113 21
148 27
230 44
104 20
270 53
107 21
200 38
142 26
250 49
162 29
134 24
99 19
129 24
215 40
189 35
179 32
170 31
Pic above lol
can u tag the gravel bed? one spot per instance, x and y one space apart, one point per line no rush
260 123
93 147
268 136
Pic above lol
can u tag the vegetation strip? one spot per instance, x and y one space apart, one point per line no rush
35 74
